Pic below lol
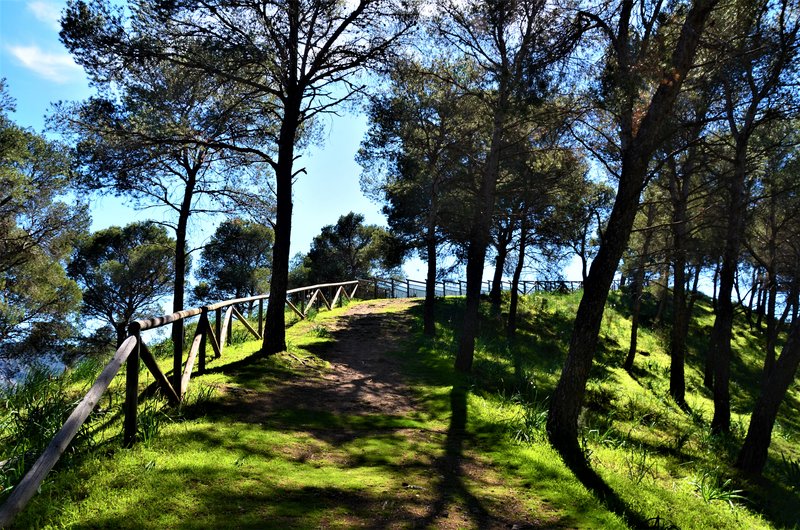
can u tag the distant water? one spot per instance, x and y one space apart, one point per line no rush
14 371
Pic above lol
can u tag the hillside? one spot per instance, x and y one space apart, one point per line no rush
362 423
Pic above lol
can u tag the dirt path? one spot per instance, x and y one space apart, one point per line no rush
442 483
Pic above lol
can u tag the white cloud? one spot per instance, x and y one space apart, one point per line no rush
57 67
47 12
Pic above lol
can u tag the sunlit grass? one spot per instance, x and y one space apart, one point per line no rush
296 469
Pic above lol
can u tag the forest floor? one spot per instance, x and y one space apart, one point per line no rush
441 488
363 423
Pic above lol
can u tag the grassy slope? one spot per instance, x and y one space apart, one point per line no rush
206 470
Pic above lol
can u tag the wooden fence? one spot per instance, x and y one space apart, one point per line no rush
216 335
133 349
405 288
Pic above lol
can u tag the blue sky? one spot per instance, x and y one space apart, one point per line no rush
39 71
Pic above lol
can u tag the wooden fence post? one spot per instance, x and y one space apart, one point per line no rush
376 289
408 288
392 283
201 365
131 395
261 317
218 326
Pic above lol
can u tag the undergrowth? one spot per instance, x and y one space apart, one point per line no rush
663 463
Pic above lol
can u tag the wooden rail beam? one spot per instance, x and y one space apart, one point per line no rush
30 483
339 292
246 323
311 302
223 334
212 339
187 369
296 311
158 375
324 300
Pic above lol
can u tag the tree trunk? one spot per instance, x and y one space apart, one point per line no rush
429 314
663 295
708 369
479 240
180 275
511 329
720 347
562 420
679 192
693 295
122 331
638 288
503 240
753 455
637 151
772 288
275 325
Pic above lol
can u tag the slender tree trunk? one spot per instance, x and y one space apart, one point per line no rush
763 293
680 318
693 295
121 328
479 240
720 346
638 288
503 240
511 329
562 420
664 294
708 369
772 327
637 151
429 309
754 289
180 276
772 288
753 455
275 325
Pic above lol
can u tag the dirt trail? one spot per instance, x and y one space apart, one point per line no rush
448 487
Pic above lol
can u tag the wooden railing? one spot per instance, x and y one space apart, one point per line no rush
405 288
133 349
300 301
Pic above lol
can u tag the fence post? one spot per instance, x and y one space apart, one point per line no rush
218 325
408 288
459 287
131 395
201 363
230 330
392 283
376 288
261 317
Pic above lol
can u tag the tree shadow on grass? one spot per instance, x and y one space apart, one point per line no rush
576 462
451 483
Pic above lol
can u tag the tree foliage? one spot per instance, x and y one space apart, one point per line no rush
349 250
236 262
124 273
37 229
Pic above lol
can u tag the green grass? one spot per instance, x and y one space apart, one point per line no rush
203 467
